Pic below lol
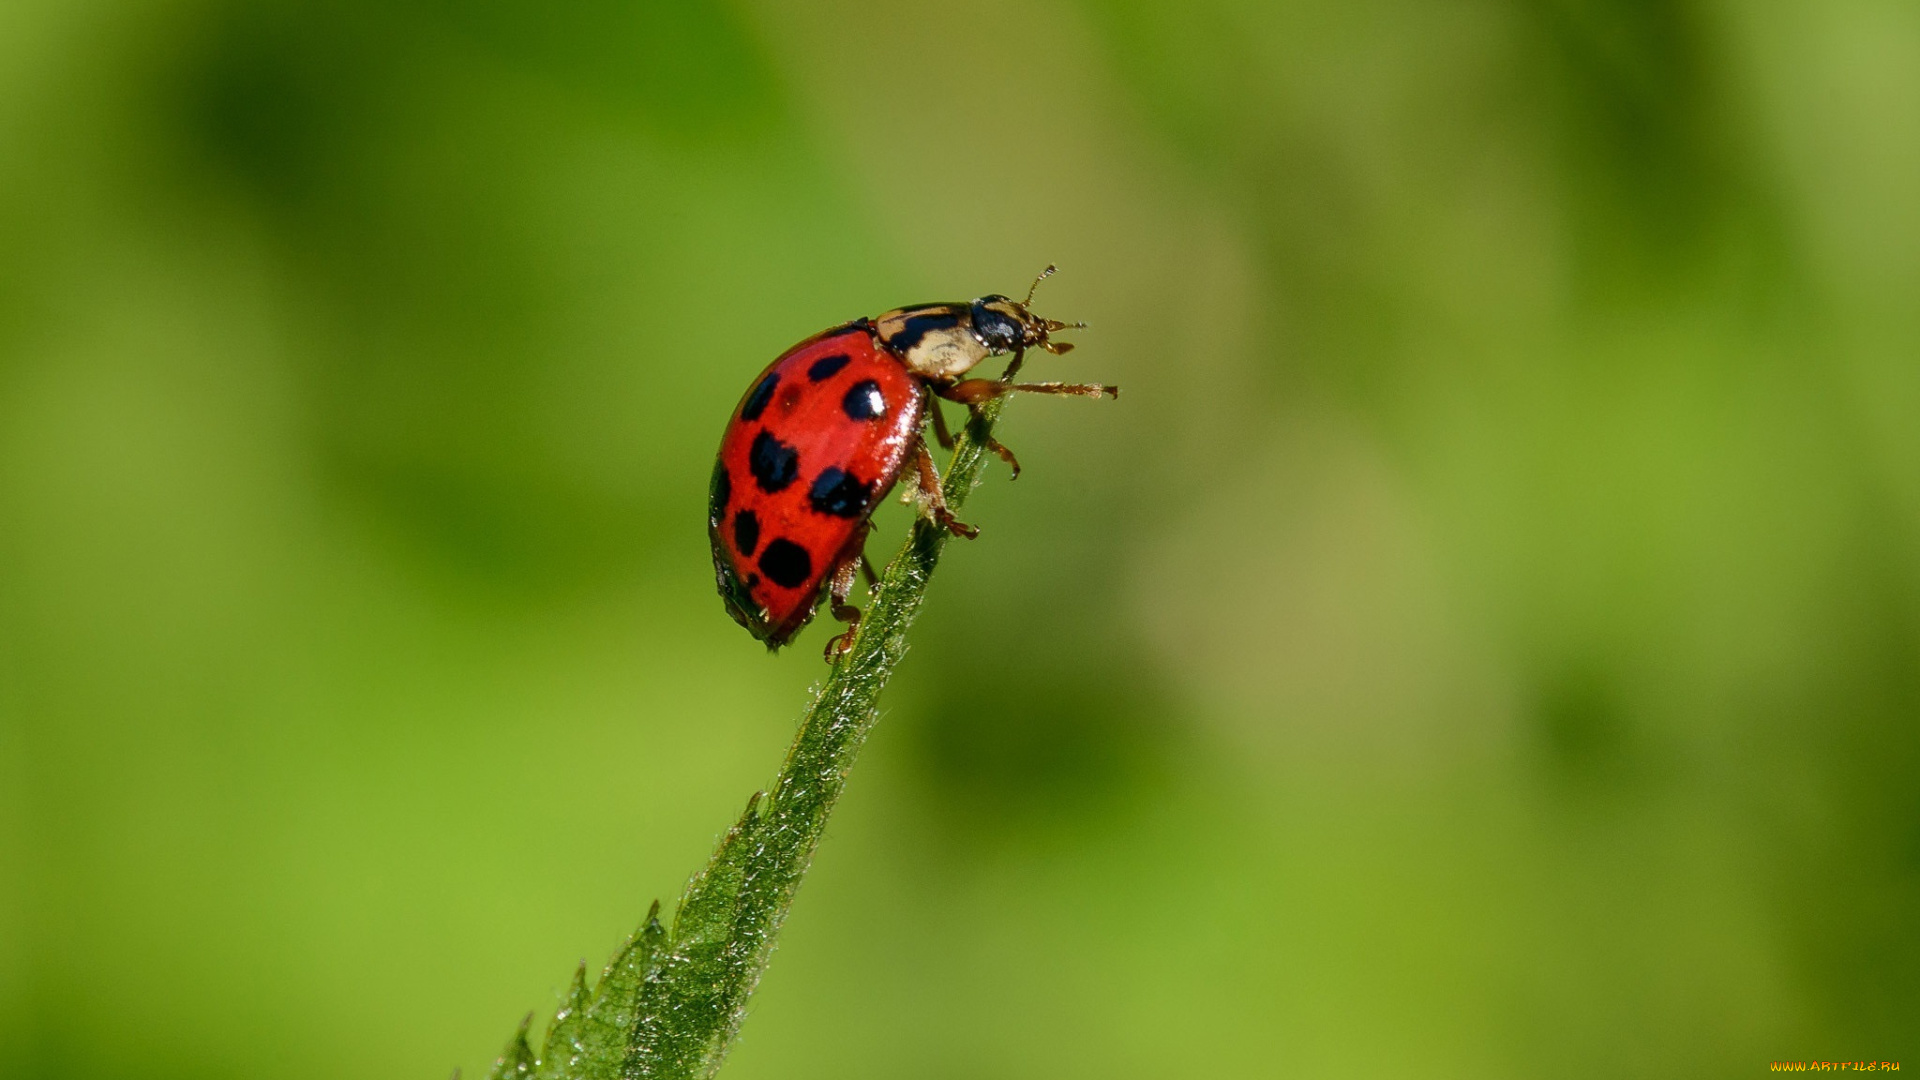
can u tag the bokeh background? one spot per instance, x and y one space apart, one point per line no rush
1484 640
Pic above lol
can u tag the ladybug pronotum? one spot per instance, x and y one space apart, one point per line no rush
825 431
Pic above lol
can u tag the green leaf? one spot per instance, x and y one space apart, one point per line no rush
566 1046
670 1003
589 1035
516 1062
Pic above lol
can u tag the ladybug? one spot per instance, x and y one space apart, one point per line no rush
823 433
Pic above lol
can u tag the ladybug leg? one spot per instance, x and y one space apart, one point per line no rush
1006 455
1013 368
971 392
839 587
866 571
934 504
1092 390
972 395
940 432
974 391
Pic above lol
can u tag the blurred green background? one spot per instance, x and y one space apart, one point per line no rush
1484 641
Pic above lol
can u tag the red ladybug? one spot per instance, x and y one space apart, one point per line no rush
823 433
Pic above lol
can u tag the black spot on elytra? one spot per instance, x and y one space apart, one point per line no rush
773 463
840 494
915 327
757 401
787 563
828 366
719 493
746 531
864 401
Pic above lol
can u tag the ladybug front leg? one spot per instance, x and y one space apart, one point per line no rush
945 439
975 391
1013 365
931 501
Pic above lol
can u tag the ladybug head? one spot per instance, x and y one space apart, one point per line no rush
1008 326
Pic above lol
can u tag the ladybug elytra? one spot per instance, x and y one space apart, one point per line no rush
824 432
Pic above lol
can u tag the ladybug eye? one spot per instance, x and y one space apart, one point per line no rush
994 328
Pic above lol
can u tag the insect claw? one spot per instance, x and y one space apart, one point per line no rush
838 646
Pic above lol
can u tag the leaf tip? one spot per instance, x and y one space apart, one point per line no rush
517 1061
576 1001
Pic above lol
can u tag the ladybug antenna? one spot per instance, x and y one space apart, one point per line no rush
1044 275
